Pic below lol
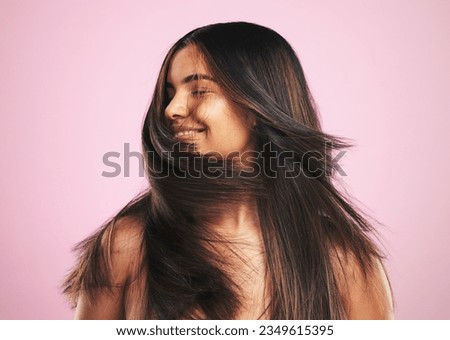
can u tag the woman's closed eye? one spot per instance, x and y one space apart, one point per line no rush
196 93
199 92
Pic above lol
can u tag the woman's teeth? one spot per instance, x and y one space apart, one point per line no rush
187 133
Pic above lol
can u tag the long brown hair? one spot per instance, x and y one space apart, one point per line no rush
304 219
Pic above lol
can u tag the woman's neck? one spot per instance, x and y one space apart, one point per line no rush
240 220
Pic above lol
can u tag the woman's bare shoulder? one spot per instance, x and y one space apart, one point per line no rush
125 233
367 294
124 241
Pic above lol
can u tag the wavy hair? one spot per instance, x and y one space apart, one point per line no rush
304 219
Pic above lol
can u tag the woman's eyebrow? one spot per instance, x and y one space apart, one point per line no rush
192 77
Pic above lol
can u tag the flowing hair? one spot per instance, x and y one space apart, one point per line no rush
305 221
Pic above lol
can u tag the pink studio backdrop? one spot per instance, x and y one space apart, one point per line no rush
77 77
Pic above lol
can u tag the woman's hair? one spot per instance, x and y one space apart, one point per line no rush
306 223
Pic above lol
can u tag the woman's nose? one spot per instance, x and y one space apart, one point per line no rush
177 108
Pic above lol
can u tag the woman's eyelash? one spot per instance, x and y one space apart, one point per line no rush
197 93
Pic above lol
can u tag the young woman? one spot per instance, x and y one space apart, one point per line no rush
241 219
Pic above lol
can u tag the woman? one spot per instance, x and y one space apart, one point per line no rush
242 220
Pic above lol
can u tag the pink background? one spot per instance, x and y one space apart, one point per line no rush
76 80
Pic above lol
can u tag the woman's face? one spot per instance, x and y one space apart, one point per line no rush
199 113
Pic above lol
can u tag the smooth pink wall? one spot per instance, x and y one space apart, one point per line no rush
76 79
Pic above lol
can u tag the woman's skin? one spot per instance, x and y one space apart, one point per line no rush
200 113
